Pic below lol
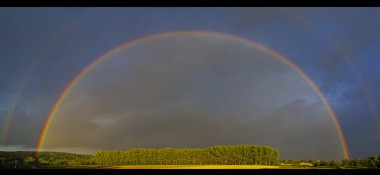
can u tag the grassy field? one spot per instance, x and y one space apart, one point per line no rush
193 167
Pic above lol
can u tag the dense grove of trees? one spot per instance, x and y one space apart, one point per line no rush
215 155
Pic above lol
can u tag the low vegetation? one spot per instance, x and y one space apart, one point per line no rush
28 159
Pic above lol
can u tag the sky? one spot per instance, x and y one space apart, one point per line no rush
211 85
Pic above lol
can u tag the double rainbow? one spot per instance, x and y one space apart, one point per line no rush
280 57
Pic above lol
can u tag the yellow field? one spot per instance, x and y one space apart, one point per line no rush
193 167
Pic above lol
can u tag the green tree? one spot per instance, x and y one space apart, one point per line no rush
345 162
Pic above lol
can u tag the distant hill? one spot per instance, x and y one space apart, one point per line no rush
28 159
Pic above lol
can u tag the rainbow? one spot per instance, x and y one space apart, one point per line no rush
214 34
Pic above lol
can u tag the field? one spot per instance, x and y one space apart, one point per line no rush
193 167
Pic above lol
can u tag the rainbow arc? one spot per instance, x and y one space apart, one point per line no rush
277 55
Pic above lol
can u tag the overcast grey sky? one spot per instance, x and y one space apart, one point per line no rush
191 90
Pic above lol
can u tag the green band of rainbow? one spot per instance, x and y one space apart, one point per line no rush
214 34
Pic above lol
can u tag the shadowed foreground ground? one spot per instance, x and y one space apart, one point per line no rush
193 167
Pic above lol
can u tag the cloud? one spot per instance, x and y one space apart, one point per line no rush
194 91
360 120
4 88
351 89
24 128
16 148
74 150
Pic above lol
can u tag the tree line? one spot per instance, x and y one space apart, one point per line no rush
369 162
215 155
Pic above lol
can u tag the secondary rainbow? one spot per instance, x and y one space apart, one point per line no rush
51 45
214 34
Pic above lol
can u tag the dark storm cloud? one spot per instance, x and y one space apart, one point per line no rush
344 66
194 91
363 128
24 129
345 40
351 62
4 88
246 19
